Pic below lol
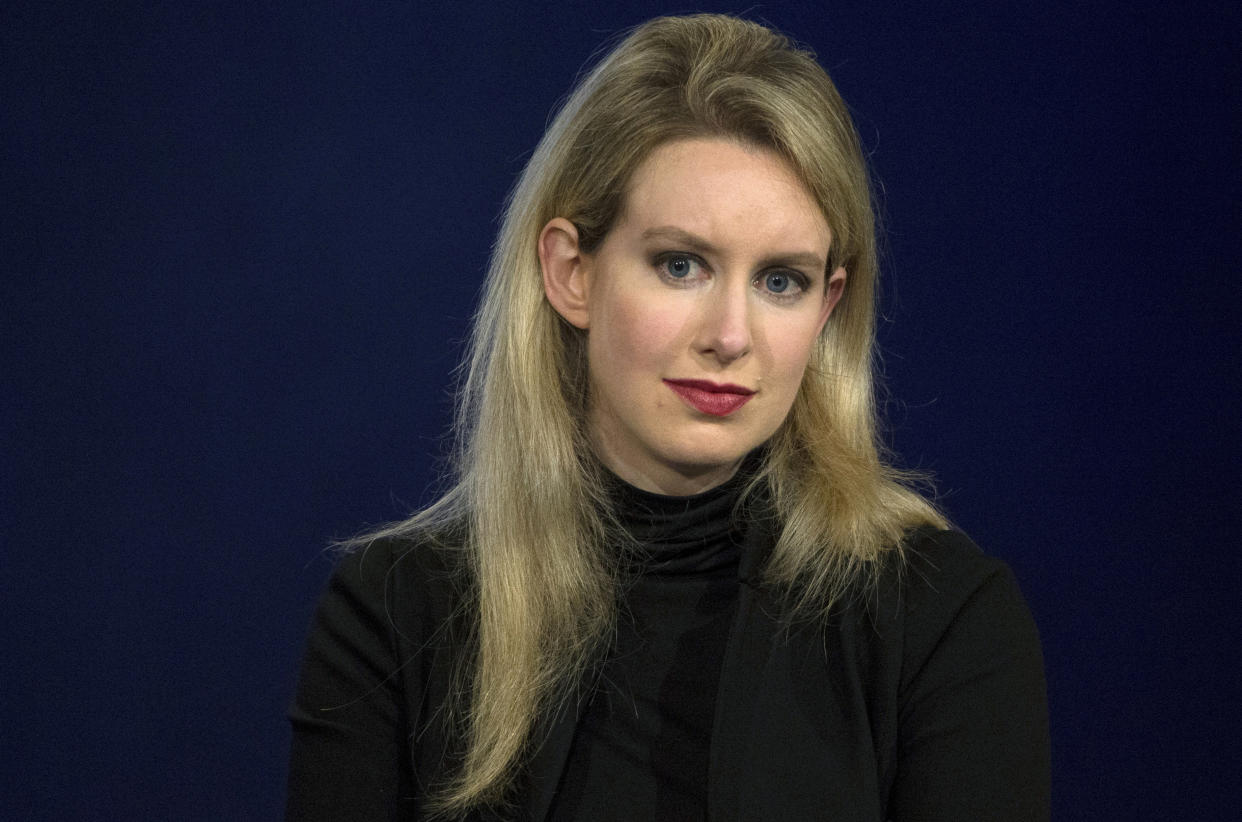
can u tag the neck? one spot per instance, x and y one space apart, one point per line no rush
672 481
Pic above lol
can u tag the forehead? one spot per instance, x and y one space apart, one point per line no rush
720 189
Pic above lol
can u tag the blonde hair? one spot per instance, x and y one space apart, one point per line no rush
526 486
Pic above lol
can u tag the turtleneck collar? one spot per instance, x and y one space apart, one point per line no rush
682 535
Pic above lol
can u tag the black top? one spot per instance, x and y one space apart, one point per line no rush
642 744
923 701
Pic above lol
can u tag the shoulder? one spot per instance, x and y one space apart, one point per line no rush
391 609
954 604
379 660
391 592
940 570
402 561
965 680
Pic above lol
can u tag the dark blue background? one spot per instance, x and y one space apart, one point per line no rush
241 244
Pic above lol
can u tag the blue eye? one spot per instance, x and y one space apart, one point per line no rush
679 267
783 283
777 282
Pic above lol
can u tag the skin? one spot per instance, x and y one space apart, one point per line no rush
715 270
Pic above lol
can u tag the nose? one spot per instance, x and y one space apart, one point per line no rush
725 325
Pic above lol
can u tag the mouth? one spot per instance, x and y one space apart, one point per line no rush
707 397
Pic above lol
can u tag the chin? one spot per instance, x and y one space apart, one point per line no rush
703 457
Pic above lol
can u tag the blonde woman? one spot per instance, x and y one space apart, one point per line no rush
674 577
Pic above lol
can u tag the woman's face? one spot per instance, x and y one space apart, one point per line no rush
701 307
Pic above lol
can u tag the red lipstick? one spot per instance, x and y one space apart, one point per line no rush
718 400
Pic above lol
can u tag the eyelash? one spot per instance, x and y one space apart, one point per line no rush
797 278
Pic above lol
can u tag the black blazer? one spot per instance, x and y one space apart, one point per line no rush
924 701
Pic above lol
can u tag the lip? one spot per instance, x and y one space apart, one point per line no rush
707 397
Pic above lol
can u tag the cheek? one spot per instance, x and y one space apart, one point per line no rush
791 350
630 334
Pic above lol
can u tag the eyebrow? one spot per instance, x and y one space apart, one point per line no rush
793 259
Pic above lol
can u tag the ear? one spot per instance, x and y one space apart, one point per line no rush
833 290
564 271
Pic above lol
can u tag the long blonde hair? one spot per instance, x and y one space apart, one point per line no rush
525 484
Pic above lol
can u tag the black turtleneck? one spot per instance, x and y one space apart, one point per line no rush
642 744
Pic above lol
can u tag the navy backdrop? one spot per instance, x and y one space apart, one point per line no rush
241 243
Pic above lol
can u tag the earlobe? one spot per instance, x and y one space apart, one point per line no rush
564 271
833 290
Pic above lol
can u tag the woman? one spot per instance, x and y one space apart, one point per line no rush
674 578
